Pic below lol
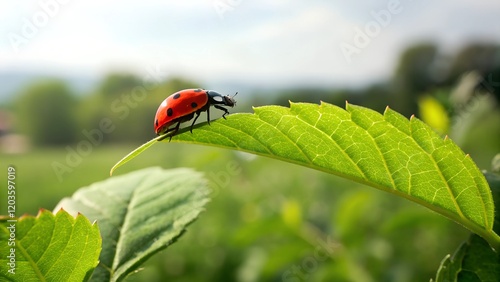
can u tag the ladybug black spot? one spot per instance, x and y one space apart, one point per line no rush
156 122
194 105
176 96
170 112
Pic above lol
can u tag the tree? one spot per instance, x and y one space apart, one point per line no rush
116 84
483 58
414 75
46 113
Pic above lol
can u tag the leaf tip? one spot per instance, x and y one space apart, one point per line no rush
135 152
60 212
118 164
41 210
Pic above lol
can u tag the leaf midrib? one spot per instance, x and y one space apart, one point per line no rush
121 232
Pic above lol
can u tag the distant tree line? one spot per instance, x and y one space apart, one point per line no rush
50 114
121 109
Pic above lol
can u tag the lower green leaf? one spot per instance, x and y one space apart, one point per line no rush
48 248
475 260
494 182
139 214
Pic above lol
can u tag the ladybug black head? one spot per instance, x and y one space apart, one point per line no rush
216 98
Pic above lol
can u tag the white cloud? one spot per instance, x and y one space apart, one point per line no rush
303 44
257 41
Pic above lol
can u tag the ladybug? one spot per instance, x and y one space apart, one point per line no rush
183 105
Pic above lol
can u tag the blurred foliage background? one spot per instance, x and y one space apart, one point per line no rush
268 220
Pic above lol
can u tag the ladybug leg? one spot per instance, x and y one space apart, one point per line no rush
208 115
175 129
226 112
195 118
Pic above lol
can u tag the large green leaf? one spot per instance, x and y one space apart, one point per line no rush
473 261
389 152
139 214
48 248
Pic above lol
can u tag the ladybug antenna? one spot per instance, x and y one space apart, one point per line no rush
234 95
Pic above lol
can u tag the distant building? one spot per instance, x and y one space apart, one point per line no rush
10 143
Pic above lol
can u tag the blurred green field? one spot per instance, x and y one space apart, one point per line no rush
267 221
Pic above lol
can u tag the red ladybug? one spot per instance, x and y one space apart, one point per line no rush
183 105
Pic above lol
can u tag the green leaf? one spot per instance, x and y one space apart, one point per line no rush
473 261
389 152
433 113
139 214
494 182
134 153
49 248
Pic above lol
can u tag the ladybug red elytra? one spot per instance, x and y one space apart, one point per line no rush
183 105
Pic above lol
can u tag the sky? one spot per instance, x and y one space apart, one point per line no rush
259 43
